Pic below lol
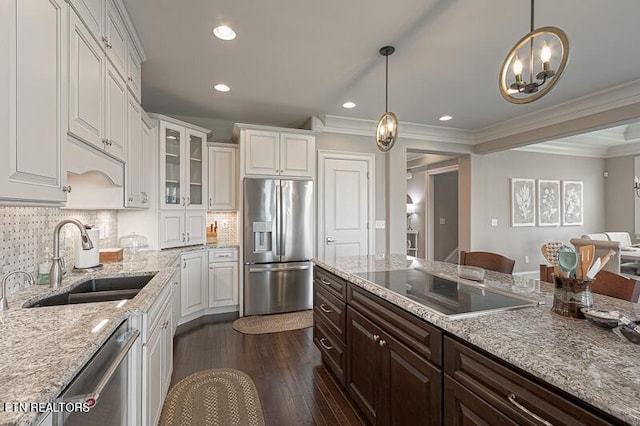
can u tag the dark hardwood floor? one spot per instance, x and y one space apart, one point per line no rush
293 386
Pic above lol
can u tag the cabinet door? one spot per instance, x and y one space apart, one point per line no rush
262 155
116 114
223 284
135 160
463 408
167 348
175 302
222 178
195 227
297 155
363 364
115 38
33 93
172 233
134 71
172 194
86 84
411 386
195 168
194 282
153 375
92 13
145 171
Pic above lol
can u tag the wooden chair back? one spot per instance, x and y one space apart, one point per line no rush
616 285
491 261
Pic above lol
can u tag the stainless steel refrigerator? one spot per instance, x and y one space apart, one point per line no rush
278 245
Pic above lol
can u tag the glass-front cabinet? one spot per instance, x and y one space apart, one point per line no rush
182 168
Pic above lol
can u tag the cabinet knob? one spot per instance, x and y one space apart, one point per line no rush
376 337
382 343
188 201
130 199
66 189
188 237
183 242
109 142
184 201
130 78
210 201
184 263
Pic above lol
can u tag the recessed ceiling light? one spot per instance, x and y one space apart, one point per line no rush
446 118
221 87
349 105
224 33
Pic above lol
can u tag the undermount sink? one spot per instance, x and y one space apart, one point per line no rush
97 290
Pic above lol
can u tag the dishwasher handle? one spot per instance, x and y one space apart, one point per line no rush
91 399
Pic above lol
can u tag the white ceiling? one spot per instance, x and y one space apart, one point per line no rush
297 59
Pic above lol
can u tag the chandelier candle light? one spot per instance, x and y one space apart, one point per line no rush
387 130
546 40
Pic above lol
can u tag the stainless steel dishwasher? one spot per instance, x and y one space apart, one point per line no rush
103 384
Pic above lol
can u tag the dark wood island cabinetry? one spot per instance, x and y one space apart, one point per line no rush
400 369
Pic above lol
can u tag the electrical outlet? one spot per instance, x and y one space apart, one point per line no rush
494 222
379 224
526 259
442 221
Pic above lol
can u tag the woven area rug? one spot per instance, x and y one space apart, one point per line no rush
220 396
261 324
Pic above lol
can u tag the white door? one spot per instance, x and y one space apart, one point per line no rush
345 206
116 39
195 169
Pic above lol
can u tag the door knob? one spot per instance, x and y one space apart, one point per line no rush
330 240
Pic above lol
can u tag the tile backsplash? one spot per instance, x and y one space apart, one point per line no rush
26 231
227 226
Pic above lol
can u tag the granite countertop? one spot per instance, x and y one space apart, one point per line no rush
593 364
44 348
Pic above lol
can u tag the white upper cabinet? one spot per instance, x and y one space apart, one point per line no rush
222 178
274 153
116 114
134 169
86 84
33 93
92 12
115 39
134 71
195 170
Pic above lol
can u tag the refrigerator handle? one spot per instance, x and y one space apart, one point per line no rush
278 233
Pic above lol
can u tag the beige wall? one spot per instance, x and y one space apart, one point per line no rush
620 197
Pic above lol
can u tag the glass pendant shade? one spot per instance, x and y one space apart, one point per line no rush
387 131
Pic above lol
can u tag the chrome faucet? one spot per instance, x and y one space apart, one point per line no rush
3 301
55 276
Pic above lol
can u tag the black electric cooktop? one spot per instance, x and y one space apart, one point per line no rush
447 296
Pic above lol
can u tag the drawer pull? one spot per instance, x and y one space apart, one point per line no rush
324 309
512 400
376 337
325 282
382 343
324 344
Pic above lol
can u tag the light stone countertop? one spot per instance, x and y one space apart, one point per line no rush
44 348
593 364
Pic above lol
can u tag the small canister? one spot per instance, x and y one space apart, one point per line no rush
571 295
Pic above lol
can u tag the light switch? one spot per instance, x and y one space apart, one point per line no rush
379 224
494 222
442 221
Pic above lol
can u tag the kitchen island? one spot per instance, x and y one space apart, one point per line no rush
44 348
592 367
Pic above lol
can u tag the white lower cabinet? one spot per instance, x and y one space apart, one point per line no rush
175 302
193 282
223 278
157 358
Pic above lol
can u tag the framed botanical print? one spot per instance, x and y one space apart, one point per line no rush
572 203
548 202
523 202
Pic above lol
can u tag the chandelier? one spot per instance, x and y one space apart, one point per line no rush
387 130
546 41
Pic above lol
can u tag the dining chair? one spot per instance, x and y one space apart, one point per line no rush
491 261
546 273
616 285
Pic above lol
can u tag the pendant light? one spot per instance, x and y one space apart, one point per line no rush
544 40
387 130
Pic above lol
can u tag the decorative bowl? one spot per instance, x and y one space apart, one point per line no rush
605 319
471 272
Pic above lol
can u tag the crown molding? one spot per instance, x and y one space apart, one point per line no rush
624 150
616 97
565 148
363 127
